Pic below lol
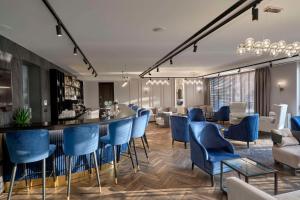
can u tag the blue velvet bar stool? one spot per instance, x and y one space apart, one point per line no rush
147 113
119 133
138 131
81 140
27 146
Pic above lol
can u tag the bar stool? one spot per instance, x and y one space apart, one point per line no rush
138 131
119 133
147 113
81 140
26 146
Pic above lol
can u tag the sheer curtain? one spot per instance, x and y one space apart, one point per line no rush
232 88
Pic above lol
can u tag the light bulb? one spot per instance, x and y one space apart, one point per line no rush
296 45
273 52
282 44
266 43
249 41
258 44
274 45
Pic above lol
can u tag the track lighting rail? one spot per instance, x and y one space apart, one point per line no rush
59 25
204 32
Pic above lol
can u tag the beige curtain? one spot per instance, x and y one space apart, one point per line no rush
206 90
262 91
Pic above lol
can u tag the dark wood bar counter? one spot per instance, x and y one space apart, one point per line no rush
124 112
81 164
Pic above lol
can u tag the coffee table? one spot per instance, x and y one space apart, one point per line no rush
248 168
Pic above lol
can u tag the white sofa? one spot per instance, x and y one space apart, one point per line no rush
238 110
275 120
286 148
240 190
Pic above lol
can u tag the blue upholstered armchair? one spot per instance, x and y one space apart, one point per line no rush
180 129
196 115
246 130
209 148
222 114
295 123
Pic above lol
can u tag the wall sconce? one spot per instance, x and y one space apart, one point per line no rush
146 89
281 85
199 88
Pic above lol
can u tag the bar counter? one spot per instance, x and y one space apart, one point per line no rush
80 163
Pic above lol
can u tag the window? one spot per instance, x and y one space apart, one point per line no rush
232 88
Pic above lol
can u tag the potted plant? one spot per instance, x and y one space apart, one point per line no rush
22 117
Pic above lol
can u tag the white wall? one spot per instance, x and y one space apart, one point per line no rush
288 74
91 94
157 96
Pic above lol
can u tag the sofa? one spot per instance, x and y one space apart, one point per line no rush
275 120
240 190
286 148
162 119
238 110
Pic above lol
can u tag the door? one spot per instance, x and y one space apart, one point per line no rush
106 93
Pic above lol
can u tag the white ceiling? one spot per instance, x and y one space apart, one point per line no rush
115 33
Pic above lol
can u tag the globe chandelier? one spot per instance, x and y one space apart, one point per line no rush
267 47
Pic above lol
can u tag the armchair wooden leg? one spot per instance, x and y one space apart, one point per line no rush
212 180
193 165
248 145
185 145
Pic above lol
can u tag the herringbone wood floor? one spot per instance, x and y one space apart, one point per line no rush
168 175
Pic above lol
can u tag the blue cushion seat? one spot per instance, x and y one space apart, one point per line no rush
215 156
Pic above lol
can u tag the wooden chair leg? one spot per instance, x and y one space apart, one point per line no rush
212 180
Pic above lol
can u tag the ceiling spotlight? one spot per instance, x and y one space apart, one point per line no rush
75 51
157 69
150 79
195 48
58 30
168 79
149 73
171 61
254 13
90 67
85 61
